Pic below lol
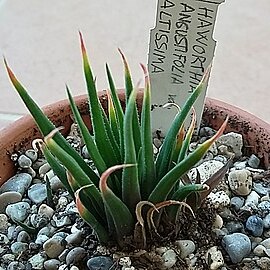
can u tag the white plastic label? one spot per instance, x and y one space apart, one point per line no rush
181 48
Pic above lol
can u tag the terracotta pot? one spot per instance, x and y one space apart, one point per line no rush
19 134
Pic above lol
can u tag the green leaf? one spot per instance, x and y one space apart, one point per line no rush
121 215
102 139
165 154
88 140
148 166
113 119
72 166
129 89
167 183
130 180
185 146
90 218
45 125
118 109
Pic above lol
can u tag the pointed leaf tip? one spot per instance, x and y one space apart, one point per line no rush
82 43
10 73
124 59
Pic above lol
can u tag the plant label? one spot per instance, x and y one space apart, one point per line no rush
181 48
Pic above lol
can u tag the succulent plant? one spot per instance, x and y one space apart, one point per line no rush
123 196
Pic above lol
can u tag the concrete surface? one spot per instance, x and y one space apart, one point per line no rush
40 41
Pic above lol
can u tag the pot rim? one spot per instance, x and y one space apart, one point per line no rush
255 131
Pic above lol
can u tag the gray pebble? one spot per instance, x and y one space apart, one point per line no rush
237 202
37 193
260 189
15 266
254 225
24 237
41 239
63 255
18 211
54 246
186 247
7 198
264 208
75 255
52 264
254 161
169 258
48 230
100 263
18 247
19 183
234 226
61 220
24 162
266 221
3 223
32 154
56 183
253 197
43 169
237 245
8 258
74 238
39 221
45 210
37 261
264 263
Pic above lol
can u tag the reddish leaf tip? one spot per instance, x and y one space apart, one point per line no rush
82 43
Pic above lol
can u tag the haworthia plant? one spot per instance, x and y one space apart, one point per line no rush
127 175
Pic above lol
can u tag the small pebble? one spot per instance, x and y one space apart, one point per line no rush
234 226
214 258
253 161
237 245
43 169
18 211
253 197
37 193
219 199
15 266
260 189
45 210
266 221
240 182
8 198
233 140
264 208
24 237
100 263
237 202
24 162
52 264
37 261
264 263
186 247
53 247
254 225
75 255
18 183
18 247
32 154
3 223
169 259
